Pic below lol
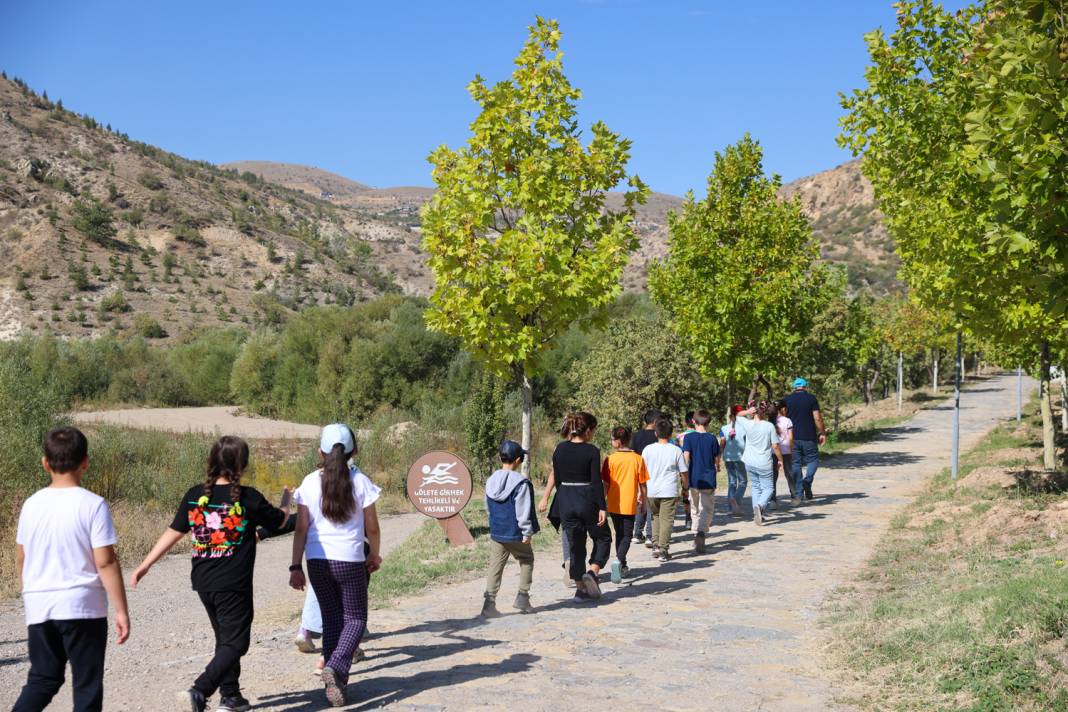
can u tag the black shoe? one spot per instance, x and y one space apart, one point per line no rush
489 609
193 700
808 491
234 703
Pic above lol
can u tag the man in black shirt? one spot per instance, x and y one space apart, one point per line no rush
643 523
809 433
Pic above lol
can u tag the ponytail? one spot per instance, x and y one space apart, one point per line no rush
229 459
338 502
577 424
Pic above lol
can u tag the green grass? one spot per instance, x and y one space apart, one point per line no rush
964 603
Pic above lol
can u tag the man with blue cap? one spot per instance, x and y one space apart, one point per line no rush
809 434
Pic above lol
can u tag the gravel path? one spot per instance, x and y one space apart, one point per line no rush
733 629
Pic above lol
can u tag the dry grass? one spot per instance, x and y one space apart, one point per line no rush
963 606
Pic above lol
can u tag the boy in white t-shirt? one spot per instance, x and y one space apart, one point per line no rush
66 555
667 468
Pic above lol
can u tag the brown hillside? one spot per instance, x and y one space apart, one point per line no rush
192 245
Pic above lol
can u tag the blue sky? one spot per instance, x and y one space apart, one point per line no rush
369 89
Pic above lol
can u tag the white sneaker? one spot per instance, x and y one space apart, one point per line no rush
304 641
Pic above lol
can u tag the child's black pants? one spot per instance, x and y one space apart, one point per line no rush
52 644
231 614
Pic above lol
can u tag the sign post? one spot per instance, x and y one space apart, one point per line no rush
439 486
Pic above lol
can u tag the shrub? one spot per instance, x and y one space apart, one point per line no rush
78 276
135 216
188 234
150 180
149 328
204 365
28 409
94 220
115 303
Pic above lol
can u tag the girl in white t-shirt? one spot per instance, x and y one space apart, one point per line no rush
335 514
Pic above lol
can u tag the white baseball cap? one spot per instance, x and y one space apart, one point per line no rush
337 433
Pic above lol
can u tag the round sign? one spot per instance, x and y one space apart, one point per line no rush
439 484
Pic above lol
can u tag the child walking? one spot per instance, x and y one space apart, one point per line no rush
667 467
513 524
732 444
65 550
761 449
222 516
701 450
335 514
624 474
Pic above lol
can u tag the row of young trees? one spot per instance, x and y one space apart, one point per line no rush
522 245
963 129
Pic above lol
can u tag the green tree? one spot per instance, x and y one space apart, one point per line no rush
485 421
935 146
741 281
94 220
519 239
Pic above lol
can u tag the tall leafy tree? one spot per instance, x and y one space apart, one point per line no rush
935 144
519 239
741 282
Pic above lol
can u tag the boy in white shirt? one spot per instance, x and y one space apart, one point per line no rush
667 468
66 555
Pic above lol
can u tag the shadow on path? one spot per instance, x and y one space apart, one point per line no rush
384 691
421 653
864 460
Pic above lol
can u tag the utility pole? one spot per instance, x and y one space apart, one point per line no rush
955 460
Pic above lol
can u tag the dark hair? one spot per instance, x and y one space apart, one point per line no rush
663 428
781 405
622 434
651 416
689 417
229 459
338 503
576 424
65 449
702 417
766 410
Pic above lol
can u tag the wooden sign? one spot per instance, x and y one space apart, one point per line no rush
439 486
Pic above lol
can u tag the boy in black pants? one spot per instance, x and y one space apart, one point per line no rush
66 555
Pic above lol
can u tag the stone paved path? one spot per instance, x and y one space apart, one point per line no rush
729 630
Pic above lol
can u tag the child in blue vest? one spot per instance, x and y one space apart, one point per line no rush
513 524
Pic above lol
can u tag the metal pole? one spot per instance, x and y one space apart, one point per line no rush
955 460
900 377
1019 393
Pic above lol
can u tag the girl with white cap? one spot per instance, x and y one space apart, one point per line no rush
335 513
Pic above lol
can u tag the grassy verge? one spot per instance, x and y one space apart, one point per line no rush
964 605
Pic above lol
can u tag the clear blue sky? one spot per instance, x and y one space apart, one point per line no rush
368 89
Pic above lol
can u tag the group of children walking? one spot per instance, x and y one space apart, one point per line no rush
65 550
639 486
66 538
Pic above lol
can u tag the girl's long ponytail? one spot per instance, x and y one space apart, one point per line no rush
338 503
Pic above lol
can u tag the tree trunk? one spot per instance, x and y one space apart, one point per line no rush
954 461
934 376
866 387
1049 453
900 377
528 426
978 364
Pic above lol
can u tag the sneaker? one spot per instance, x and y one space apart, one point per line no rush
568 581
234 703
808 490
593 586
796 501
758 516
304 641
359 656
649 543
335 692
664 557
699 543
638 539
624 571
489 609
689 523
193 700
656 552
581 597
522 603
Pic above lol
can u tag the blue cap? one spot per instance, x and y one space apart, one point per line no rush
511 451
800 383
337 434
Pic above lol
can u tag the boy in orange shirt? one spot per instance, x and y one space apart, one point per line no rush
624 474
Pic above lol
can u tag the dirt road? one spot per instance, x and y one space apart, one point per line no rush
733 629
224 420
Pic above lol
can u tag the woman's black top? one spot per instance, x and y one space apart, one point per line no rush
577 467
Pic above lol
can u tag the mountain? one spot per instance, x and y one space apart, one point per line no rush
99 231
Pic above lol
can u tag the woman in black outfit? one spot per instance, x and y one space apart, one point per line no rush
579 504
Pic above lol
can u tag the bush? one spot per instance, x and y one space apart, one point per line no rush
94 220
115 303
204 365
149 328
29 407
188 234
150 180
